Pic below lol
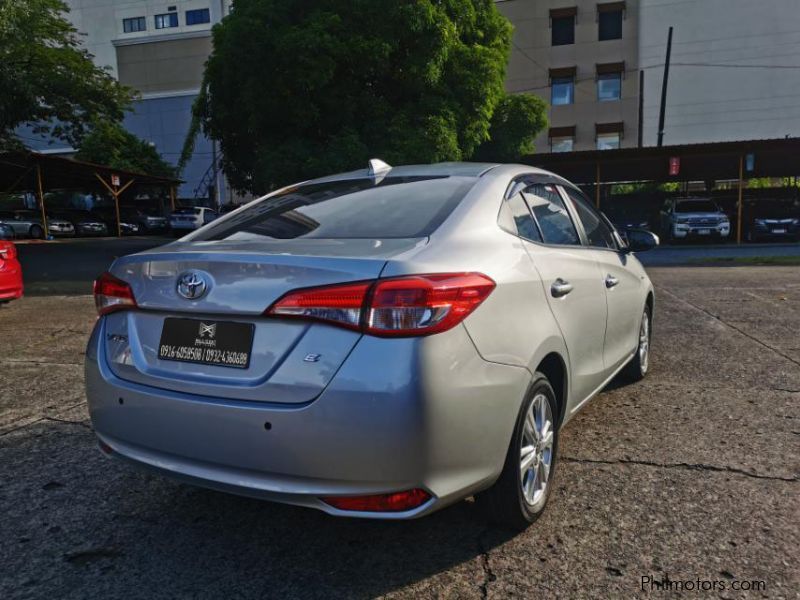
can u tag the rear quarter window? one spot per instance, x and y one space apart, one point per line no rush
395 207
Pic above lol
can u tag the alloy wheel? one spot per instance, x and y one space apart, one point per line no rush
644 342
536 450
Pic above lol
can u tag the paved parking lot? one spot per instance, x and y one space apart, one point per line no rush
693 474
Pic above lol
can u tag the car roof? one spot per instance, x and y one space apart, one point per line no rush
442 169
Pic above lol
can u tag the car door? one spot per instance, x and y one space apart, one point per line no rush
623 280
573 286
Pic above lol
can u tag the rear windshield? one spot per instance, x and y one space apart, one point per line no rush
696 206
395 207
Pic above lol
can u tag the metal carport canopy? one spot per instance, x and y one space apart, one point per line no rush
698 162
26 171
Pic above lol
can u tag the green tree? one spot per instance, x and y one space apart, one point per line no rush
108 143
299 88
47 79
516 122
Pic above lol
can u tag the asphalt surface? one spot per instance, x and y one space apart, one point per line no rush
691 474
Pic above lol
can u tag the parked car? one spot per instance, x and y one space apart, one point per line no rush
629 213
424 342
683 218
147 220
84 222
58 225
28 223
773 220
184 220
6 232
24 223
11 286
109 216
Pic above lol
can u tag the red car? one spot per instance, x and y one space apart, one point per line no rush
10 273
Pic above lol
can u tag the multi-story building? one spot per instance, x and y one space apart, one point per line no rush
581 56
734 70
159 49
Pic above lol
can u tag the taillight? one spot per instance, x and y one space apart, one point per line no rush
339 304
8 251
400 306
397 502
112 294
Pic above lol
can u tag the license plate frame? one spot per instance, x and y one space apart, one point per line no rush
210 342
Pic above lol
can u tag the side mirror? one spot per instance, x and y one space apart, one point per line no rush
641 240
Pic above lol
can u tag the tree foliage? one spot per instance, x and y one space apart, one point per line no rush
299 88
108 143
47 79
516 122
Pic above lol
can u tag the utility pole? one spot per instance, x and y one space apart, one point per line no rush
663 110
641 108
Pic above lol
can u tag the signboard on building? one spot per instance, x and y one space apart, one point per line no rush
674 165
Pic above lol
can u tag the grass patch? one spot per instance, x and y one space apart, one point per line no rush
787 261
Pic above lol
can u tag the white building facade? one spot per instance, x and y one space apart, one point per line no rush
159 49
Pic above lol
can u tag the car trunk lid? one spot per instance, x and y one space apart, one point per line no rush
291 361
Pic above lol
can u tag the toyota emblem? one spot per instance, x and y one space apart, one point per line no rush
192 285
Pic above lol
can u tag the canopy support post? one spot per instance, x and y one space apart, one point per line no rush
739 203
40 195
597 187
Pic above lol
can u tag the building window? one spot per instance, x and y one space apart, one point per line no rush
609 87
135 24
198 17
609 25
563 29
167 20
562 144
562 91
562 139
608 141
609 20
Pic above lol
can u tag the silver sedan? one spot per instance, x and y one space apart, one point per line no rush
380 343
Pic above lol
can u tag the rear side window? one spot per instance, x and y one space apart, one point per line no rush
517 219
395 207
597 232
551 215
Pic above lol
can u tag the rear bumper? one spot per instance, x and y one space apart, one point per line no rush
399 414
11 287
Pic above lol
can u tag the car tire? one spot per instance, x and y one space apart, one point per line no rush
36 232
517 498
637 368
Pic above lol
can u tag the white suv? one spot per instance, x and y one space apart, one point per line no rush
683 218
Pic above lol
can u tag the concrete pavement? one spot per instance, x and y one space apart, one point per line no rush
692 473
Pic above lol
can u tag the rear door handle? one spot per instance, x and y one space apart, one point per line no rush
560 288
611 281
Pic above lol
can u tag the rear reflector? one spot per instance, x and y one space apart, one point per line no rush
399 306
397 502
112 294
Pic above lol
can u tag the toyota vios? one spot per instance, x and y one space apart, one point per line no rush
380 343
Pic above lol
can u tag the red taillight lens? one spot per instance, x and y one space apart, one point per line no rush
8 251
425 304
339 304
112 294
400 306
397 502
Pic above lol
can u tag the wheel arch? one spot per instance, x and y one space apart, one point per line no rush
554 367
